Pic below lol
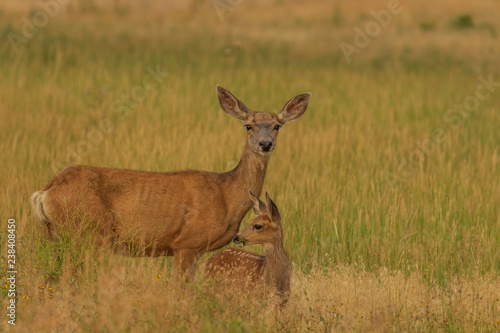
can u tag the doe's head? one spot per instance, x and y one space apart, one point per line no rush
265 228
262 128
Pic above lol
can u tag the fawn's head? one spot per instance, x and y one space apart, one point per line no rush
265 228
262 128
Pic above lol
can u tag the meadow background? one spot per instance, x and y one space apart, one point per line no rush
390 195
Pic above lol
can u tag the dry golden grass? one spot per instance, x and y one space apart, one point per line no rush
423 255
134 295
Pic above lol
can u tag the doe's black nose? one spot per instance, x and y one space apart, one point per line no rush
266 145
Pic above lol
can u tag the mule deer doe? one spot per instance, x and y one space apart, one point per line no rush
273 268
184 213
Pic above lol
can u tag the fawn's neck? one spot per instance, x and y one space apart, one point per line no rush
277 270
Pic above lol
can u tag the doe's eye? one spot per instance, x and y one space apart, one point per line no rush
248 127
277 127
257 227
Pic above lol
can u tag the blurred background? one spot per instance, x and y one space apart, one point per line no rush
394 166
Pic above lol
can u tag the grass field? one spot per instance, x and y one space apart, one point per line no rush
389 183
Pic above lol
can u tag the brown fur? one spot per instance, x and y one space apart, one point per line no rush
238 266
184 213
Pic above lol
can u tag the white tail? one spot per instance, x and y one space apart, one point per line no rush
37 202
185 213
273 268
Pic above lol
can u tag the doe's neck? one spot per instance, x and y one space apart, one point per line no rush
249 174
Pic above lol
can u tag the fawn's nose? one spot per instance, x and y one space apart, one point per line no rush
238 240
265 145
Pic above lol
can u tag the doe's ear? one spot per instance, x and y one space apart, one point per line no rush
258 206
232 106
294 108
274 214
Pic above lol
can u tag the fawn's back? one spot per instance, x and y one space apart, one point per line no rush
236 264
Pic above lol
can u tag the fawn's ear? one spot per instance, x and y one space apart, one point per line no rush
232 106
294 108
274 214
258 206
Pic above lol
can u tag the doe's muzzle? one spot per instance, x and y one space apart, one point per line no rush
266 145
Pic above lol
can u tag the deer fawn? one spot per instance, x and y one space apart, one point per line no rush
184 213
273 268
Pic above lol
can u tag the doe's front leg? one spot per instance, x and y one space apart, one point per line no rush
184 264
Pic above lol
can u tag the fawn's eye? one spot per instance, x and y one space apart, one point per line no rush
277 127
248 127
257 227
